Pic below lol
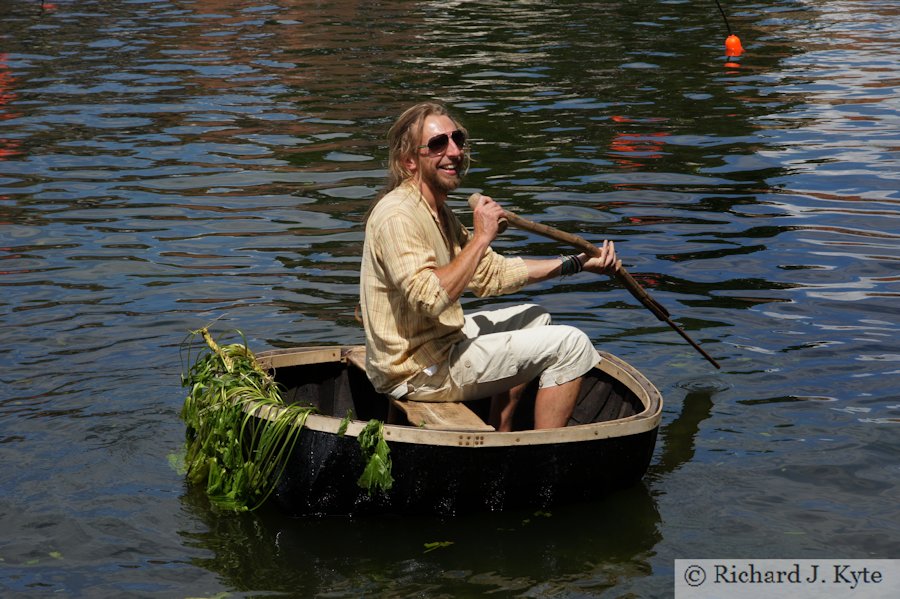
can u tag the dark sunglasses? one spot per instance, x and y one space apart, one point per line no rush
439 143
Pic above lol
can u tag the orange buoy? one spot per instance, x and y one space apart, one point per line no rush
733 47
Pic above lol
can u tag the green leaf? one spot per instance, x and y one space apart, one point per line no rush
342 429
375 450
429 547
176 461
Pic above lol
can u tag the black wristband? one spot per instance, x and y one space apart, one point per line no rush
570 265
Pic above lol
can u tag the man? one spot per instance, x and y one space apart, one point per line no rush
418 259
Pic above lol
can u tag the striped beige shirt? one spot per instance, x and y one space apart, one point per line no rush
411 323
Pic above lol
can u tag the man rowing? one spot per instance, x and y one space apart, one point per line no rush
418 259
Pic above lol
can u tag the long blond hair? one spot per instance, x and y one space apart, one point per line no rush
404 139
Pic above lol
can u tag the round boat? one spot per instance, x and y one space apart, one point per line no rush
450 466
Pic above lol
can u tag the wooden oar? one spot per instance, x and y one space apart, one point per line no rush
592 250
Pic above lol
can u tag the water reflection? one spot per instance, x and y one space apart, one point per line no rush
166 164
513 552
678 438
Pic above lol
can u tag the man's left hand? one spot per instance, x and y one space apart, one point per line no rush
607 263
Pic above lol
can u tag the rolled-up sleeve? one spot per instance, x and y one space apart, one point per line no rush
412 264
496 275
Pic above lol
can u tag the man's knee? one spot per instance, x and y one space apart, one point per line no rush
573 339
577 354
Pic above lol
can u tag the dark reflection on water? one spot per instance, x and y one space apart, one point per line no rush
166 164
507 554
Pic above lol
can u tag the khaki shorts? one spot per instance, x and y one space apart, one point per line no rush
505 348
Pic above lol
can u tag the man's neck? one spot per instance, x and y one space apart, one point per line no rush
435 199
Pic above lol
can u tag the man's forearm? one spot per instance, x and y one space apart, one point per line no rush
455 277
541 270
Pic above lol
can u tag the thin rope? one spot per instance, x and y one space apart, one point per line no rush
724 18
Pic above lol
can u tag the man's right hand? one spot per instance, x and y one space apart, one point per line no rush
486 219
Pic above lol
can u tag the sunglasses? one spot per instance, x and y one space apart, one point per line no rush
439 143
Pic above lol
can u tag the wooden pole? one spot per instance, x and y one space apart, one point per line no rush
622 275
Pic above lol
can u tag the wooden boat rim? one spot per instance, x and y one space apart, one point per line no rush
646 420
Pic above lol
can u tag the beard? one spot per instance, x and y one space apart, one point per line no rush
442 181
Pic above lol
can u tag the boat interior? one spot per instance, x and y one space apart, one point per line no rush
334 381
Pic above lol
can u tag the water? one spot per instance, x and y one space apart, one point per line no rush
168 164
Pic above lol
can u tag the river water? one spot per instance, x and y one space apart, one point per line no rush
166 164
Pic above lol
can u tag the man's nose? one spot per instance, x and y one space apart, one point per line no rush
453 149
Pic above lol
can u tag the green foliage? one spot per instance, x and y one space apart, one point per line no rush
176 461
376 452
345 422
237 457
429 547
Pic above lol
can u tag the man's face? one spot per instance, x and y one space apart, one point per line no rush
439 170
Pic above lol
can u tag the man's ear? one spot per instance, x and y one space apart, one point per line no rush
411 163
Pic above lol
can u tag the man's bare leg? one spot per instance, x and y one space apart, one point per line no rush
503 407
553 406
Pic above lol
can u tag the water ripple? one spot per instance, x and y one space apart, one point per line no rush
164 165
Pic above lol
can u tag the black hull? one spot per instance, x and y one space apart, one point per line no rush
320 477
